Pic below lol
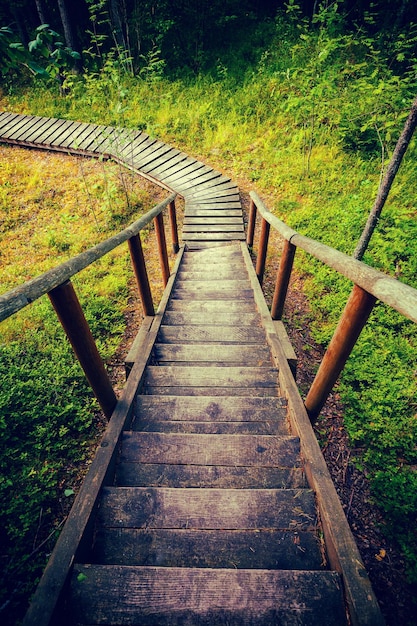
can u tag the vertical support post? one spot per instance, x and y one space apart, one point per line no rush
251 224
162 246
70 314
283 280
142 280
351 323
263 246
174 228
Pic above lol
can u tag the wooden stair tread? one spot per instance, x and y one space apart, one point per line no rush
210 307
223 318
212 509
207 449
146 596
210 354
208 476
209 428
210 408
198 376
217 334
260 549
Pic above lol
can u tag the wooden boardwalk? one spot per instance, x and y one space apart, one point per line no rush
213 211
216 507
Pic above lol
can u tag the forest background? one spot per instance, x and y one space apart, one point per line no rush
301 100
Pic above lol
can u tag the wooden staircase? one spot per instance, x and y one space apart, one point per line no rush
208 501
209 520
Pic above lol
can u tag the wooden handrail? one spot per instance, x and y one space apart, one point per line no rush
397 295
56 283
369 285
21 296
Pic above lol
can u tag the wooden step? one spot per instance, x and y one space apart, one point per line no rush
149 596
210 334
195 449
207 428
227 378
260 549
210 354
208 476
210 306
223 318
210 408
210 509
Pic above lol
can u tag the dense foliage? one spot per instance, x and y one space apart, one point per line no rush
306 107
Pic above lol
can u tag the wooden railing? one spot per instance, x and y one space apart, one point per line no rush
56 283
370 285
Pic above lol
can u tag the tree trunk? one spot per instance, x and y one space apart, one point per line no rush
69 39
386 184
41 12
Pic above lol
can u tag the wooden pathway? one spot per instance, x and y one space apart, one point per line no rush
218 509
213 211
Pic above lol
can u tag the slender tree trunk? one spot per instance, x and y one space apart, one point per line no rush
69 39
41 11
386 184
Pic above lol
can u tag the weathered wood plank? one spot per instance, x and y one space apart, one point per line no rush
195 449
72 140
15 122
210 409
7 120
228 509
172 318
147 596
85 142
234 236
202 219
51 132
188 172
221 191
261 549
220 294
41 130
161 157
157 169
209 227
256 392
206 428
65 133
23 128
206 271
211 307
223 198
210 285
213 334
217 206
197 376
210 476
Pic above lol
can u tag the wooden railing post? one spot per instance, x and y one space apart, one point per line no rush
70 314
263 246
139 267
174 228
162 246
251 224
283 280
354 318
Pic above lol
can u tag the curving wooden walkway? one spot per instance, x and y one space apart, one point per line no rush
214 505
213 211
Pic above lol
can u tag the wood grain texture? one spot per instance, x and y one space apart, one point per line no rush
216 334
208 476
227 450
211 509
192 354
148 596
260 549
212 409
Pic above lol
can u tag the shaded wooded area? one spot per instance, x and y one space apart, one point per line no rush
183 33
